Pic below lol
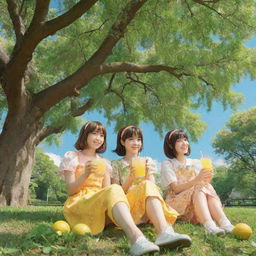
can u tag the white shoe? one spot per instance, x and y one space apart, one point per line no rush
142 246
169 239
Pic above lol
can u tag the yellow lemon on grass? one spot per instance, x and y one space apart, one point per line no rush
61 226
242 231
81 229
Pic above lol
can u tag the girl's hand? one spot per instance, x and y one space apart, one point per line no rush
131 176
90 167
204 176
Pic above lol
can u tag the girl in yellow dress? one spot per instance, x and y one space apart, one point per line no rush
143 195
91 195
188 186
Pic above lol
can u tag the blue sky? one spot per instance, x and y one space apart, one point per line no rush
153 143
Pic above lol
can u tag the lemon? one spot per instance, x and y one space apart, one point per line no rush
242 231
61 226
81 229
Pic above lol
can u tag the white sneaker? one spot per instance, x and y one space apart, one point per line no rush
142 246
169 239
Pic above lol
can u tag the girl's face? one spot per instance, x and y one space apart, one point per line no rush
95 140
132 145
181 146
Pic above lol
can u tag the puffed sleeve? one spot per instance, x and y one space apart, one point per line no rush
168 174
152 165
69 163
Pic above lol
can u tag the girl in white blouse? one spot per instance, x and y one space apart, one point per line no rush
188 186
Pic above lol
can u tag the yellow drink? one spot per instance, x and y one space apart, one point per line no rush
100 165
206 163
139 164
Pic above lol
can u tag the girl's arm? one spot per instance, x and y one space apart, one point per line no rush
107 179
75 185
203 176
128 182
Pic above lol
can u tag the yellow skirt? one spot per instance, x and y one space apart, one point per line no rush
137 196
89 206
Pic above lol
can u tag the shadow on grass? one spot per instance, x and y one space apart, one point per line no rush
9 239
37 215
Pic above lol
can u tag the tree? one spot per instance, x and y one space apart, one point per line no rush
223 182
132 60
237 142
45 177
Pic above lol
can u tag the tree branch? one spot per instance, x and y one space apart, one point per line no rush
41 11
17 22
81 110
68 17
91 68
117 31
46 131
115 67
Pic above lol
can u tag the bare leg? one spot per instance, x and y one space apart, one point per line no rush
123 218
201 207
155 213
216 209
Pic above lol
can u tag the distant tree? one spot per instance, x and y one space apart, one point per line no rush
237 143
45 179
132 60
223 182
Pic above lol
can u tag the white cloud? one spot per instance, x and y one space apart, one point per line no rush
220 162
55 158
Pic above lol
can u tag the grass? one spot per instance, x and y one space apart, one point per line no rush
27 231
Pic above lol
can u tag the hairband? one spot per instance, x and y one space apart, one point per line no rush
170 135
86 125
127 127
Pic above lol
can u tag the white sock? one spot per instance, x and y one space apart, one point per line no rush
224 222
209 224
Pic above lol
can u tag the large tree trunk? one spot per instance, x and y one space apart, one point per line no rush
17 146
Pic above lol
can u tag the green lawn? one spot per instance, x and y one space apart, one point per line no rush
27 231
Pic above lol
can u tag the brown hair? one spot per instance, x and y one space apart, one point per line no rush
125 133
170 140
89 127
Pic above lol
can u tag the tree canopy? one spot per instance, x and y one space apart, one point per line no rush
237 142
198 47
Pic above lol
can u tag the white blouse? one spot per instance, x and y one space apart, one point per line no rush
171 166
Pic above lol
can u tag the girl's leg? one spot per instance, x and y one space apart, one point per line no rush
155 213
166 235
201 207
215 209
218 214
203 213
123 218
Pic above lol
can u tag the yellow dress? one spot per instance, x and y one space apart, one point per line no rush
91 203
139 192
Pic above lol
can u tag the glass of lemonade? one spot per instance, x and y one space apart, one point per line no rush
100 165
206 163
139 164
